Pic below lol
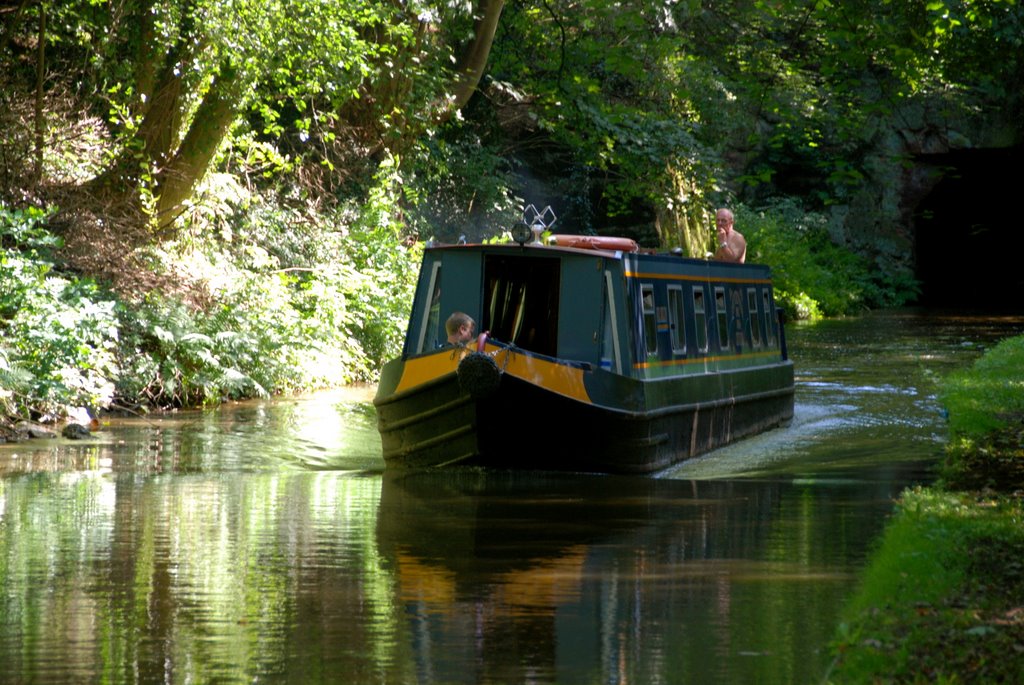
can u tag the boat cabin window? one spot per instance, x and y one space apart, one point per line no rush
722 309
650 320
700 319
521 301
610 345
608 339
430 335
676 314
755 320
768 312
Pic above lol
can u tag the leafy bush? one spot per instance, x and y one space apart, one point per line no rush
59 335
296 301
390 266
300 301
171 357
460 185
814 277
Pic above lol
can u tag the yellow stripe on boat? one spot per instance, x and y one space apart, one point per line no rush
558 378
768 354
702 278
420 370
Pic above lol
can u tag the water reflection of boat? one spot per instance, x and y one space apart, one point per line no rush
533 574
624 361
438 526
517 543
528 532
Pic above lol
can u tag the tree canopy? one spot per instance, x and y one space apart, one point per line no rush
175 81
647 108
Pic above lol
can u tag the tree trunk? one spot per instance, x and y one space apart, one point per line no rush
211 124
160 80
154 158
40 114
147 59
363 121
471 65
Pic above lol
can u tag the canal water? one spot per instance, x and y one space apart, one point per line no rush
264 541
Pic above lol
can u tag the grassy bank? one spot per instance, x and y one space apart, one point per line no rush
943 598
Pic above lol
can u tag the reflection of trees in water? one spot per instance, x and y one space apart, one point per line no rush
189 579
608 577
461 578
322 431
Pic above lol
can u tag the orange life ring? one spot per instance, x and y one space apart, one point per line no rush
595 242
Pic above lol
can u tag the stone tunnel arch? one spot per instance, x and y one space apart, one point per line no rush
968 230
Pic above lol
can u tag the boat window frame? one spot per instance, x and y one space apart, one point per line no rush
700 319
722 317
677 319
754 317
611 328
433 298
768 312
650 319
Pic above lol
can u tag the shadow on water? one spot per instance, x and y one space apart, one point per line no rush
264 541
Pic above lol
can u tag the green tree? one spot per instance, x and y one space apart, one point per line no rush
178 75
663 110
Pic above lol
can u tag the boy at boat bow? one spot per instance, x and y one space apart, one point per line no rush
460 328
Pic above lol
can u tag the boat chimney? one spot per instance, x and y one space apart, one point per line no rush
537 230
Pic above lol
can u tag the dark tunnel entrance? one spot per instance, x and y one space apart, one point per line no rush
968 231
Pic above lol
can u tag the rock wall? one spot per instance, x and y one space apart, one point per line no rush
906 163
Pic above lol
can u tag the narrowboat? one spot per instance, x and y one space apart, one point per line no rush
594 356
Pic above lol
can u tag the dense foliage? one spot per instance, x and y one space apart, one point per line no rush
286 310
59 335
233 188
812 276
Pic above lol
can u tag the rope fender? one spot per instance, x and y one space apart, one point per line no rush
478 372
